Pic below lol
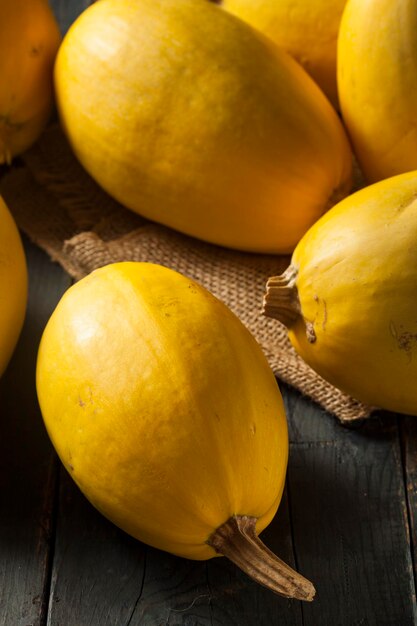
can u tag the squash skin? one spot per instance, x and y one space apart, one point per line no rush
13 285
206 126
378 97
162 406
357 289
307 30
29 40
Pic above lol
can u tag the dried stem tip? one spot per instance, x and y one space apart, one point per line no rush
238 541
281 298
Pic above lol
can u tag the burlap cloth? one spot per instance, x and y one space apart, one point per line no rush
63 211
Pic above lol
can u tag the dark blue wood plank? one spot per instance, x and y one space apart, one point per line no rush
97 571
27 462
66 11
408 428
349 516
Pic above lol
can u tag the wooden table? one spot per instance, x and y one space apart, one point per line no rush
347 519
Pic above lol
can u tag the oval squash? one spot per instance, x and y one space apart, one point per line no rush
29 40
377 78
349 297
165 412
306 29
13 285
187 116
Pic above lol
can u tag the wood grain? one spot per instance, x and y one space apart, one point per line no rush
27 462
350 525
408 430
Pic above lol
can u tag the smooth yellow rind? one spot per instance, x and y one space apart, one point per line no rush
189 117
29 40
357 285
306 29
13 285
377 78
162 406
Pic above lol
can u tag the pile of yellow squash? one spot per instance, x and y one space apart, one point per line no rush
29 40
352 283
235 122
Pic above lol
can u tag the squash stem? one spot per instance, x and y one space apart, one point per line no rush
237 540
281 298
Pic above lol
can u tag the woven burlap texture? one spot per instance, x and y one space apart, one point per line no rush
63 211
